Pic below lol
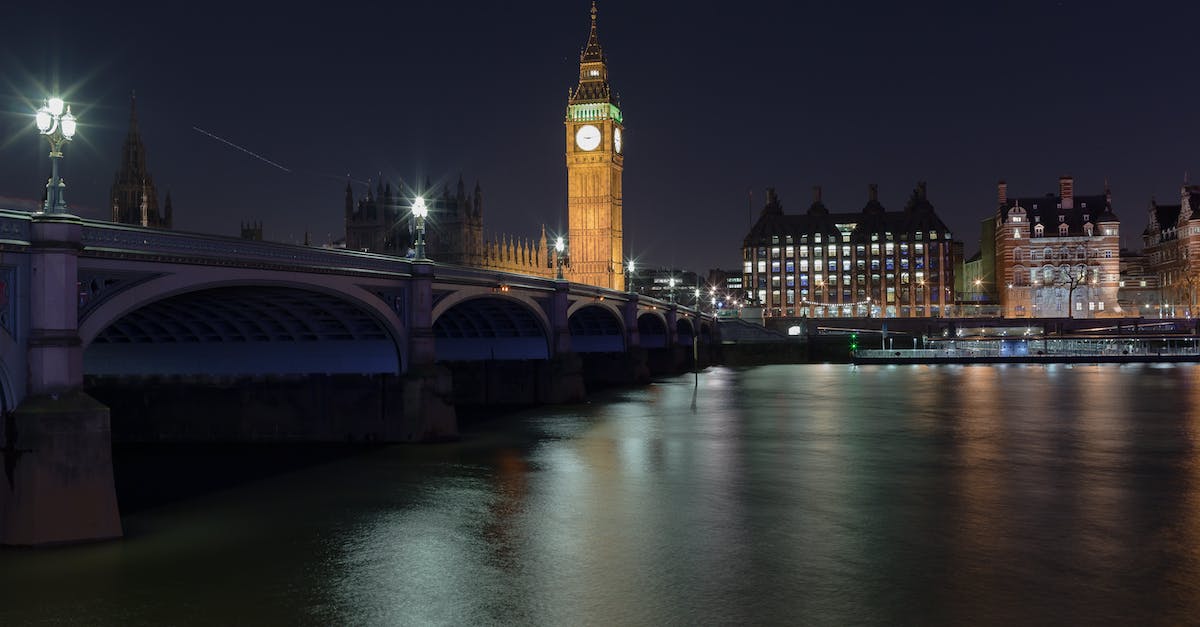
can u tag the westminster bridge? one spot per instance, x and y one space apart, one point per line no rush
208 338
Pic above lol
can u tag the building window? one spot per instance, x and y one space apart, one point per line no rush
1039 230
1062 229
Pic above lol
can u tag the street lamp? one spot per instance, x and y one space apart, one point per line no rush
671 283
629 268
559 246
59 128
421 212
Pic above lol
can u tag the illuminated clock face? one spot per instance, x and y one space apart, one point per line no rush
587 137
617 139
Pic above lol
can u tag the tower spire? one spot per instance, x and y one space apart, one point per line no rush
593 69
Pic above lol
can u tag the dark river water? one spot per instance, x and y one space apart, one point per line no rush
808 494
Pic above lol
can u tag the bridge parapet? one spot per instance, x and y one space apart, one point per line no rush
14 228
107 239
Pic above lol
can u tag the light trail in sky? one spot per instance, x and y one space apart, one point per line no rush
233 145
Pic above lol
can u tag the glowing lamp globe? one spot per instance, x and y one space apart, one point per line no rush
44 120
68 124
55 105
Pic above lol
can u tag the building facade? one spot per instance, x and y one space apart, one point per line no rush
1138 290
869 263
1171 245
133 196
595 162
1057 256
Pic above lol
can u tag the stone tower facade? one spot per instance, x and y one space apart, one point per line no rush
133 197
595 161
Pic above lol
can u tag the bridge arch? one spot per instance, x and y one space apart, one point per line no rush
596 328
490 326
222 321
652 329
685 331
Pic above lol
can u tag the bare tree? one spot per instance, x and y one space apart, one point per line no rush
1071 279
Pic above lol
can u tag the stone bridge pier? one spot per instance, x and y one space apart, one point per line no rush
58 476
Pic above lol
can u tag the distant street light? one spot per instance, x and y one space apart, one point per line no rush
59 128
421 212
629 268
559 246
671 283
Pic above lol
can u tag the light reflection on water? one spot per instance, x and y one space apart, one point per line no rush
822 494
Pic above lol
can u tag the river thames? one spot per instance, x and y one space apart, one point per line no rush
804 494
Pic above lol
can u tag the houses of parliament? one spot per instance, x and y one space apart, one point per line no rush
380 220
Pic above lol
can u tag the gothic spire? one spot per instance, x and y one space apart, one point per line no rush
592 51
132 112
593 69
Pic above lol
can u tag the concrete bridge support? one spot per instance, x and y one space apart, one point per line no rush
428 387
58 485
564 377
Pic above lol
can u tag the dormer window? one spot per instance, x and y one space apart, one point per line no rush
1062 218
1087 217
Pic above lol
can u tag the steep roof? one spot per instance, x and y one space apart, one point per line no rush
918 215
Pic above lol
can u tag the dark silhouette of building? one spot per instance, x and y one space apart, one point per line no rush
133 198
381 222
253 231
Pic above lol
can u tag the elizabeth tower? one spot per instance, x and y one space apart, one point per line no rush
594 163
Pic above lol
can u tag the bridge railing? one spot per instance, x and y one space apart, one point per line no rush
118 239
14 227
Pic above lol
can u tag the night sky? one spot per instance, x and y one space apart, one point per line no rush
718 99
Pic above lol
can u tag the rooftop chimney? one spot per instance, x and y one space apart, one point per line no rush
1066 191
1001 193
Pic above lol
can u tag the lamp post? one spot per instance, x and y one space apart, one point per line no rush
671 292
559 246
629 268
58 127
421 212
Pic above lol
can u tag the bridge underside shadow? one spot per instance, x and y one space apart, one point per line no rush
499 353
598 337
250 363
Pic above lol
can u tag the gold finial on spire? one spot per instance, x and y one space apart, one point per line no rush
593 10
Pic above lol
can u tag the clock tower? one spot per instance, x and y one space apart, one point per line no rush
595 159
